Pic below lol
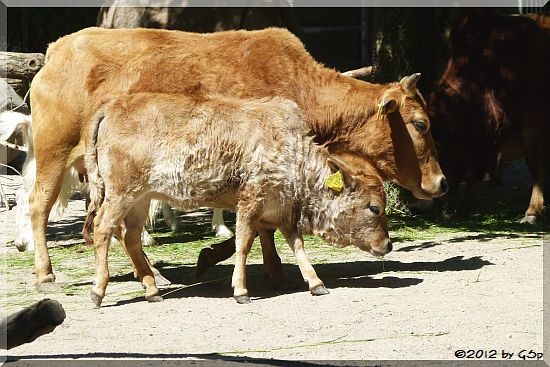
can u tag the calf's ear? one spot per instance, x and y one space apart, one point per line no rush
340 171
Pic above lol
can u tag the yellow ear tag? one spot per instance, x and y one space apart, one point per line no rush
335 181
380 113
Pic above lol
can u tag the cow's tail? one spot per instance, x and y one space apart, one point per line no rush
95 181
151 217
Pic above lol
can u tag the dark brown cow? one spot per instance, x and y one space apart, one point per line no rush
491 104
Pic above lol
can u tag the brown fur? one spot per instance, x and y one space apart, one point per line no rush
87 68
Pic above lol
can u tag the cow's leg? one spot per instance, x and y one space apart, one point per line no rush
536 204
245 235
210 256
273 267
296 243
464 207
46 188
134 222
534 156
218 225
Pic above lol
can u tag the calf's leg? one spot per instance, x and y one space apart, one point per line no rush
296 243
273 267
108 219
245 234
133 224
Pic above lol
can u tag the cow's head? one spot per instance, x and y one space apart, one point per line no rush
397 137
354 212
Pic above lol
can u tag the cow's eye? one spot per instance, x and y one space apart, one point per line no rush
374 209
420 125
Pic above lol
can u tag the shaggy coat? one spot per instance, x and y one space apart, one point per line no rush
86 69
274 178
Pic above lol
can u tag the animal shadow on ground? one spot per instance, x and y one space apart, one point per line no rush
143 359
217 282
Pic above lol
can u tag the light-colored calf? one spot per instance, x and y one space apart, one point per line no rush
253 156
12 122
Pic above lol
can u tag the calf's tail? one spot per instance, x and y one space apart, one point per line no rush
95 182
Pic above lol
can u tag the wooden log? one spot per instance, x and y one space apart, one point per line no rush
28 324
15 65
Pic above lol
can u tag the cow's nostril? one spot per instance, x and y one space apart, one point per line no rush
389 246
444 185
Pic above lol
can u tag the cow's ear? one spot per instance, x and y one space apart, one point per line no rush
341 177
387 105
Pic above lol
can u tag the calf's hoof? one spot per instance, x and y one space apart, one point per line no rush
320 290
96 299
242 299
155 298
529 219
203 263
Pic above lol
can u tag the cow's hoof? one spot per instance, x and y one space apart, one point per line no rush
155 298
46 284
320 290
203 263
96 299
48 288
20 245
529 219
242 299
223 231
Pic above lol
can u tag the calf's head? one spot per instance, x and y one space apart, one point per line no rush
354 211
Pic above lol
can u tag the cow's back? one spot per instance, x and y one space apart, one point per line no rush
86 68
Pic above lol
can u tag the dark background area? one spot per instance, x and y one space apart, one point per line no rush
396 41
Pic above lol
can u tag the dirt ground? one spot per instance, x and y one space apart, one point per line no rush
427 300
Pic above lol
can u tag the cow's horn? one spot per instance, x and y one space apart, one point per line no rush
358 73
409 82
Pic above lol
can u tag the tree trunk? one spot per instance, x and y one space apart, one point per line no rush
16 65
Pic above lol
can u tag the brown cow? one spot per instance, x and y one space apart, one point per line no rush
491 103
87 68
179 16
190 152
